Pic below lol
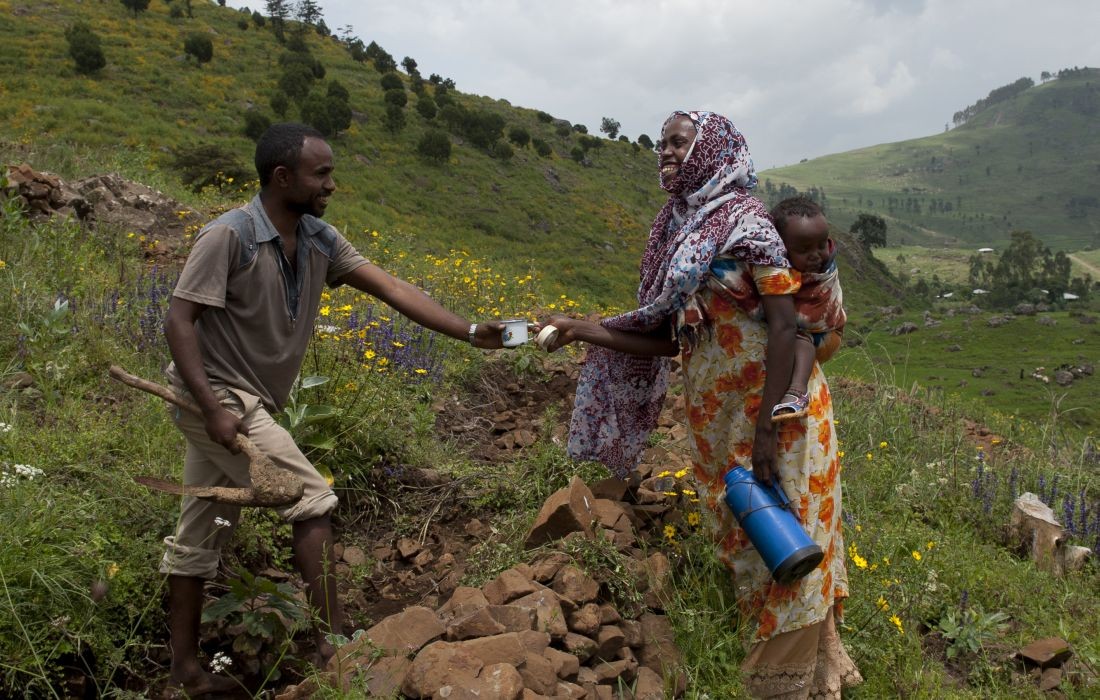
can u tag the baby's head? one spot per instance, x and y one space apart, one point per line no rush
805 233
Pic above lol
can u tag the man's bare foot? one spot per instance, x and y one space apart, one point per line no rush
203 685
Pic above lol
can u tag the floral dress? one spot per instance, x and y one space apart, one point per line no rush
724 380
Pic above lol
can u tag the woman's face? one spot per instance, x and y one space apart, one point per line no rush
674 146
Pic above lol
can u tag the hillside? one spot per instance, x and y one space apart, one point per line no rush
1029 162
581 226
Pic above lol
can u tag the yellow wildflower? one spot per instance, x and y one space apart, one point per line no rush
681 474
870 456
326 310
840 454
882 604
883 445
693 519
369 354
859 561
670 532
113 569
664 473
3 264
897 623
398 344
418 370
930 545
916 555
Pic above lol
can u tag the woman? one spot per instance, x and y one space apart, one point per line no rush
714 268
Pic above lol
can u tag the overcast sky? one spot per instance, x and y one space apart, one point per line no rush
799 78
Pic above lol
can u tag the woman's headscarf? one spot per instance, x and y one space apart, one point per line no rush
710 212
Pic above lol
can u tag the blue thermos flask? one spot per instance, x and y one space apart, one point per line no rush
762 511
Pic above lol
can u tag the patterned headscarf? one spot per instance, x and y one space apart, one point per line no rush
710 212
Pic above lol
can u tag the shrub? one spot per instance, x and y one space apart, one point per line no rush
208 165
542 148
296 81
435 145
645 142
577 154
175 11
442 99
337 90
391 81
199 46
258 19
84 48
426 107
580 128
279 103
255 124
136 6
502 151
544 117
328 114
242 23
396 97
519 136
394 120
563 129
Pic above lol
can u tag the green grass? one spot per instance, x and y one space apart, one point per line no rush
1039 150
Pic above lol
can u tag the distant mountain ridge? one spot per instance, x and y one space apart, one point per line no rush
1027 159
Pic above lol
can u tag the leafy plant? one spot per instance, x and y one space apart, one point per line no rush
261 614
968 631
313 425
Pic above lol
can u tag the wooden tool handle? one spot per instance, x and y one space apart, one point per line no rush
154 389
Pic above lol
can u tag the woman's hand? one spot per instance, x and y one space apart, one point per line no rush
764 467
567 331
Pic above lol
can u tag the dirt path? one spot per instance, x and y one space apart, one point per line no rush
1092 269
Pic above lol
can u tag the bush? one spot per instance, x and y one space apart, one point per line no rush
208 165
396 97
435 145
519 136
502 151
279 103
199 46
84 48
544 117
175 11
580 128
337 90
136 6
563 130
258 19
242 23
577 154
328 114
394 121
426 107
542 148
255 124
391 81
645 142
442 99
296 81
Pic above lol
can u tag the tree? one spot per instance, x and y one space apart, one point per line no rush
610 127
542 148
278 11
391 81
544 117
580 128
409 65
296 81
394 120
258 19
1045 76
279 103
396 97
255 124
645 142
435 145
870 230
502 151
199 46
519 136
425 106
308 12
136 6
85 48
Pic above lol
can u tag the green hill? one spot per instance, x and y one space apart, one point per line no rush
582 226
1027 162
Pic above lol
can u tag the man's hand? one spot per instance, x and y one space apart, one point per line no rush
222 426
489 335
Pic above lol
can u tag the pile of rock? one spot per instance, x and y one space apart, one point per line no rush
538 630
101 199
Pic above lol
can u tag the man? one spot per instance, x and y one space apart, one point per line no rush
237 326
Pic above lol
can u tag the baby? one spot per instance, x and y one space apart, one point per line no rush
819 304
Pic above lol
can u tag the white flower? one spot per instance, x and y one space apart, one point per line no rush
5 428
220 662
27 471
221 522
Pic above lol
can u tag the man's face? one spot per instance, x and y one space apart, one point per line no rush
311 183
674 146
807 242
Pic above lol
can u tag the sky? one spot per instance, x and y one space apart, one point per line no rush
799 78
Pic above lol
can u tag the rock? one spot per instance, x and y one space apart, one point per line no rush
566 666
1034 527
546 568
539 674
659 651
648 685
464 598
437 665
998 321
354 556
1046 321
549 616
405 632
905 328
579 646
500 648
1063 377
572 583
408 548
479 623
567 510
609 642
953 348
1045 653
612 671
512 618
507 586
585 620
501 681
611 489
1024 309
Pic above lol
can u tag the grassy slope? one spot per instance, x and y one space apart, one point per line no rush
1041 148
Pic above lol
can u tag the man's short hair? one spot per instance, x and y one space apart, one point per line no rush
281 144
800 206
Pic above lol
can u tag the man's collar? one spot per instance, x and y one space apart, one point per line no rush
265 230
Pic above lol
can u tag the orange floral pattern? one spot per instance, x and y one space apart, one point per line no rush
724 378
